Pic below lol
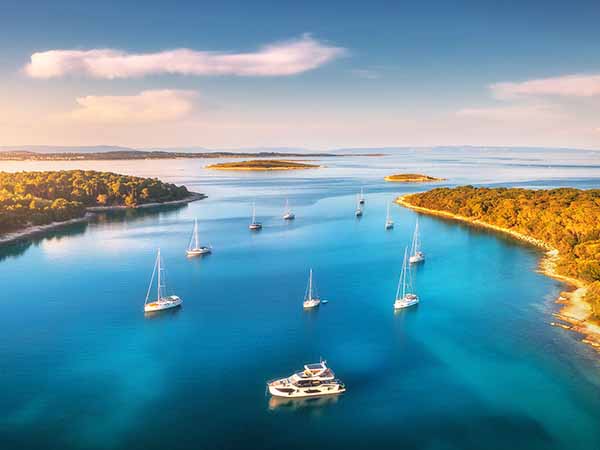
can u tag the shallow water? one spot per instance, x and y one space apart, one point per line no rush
474 366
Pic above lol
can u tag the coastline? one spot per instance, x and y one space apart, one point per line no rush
423 179
35 230
575 310
260 169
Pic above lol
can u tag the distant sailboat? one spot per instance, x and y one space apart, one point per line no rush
361 199
254 225
162 301
405 297
416 255
389 223
194 247
287 212
359 210
310 300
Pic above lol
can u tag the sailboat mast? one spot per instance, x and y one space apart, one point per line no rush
196 233
253 212
310 285
387 217
404 275
159 269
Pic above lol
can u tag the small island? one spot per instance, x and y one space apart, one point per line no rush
412 178
263 164
32 202
564 222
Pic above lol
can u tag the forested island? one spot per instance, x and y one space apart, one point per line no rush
412 178
565 221
29 199
262 164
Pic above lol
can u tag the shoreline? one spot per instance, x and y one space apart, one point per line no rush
575 310
34 230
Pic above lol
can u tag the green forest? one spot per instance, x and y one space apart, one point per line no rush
39 198
568 219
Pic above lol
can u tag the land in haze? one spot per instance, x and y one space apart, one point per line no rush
264 164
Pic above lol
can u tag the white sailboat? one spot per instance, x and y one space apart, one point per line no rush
194 247
416 255
359 210
254 225
163 301
287 212
361 199
310 300
389 223
406 297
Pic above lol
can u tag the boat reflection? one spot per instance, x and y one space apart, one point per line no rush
298 404
162 314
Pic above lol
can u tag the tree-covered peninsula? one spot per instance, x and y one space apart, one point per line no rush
40 198
565 219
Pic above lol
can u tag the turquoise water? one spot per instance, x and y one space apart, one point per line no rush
474 366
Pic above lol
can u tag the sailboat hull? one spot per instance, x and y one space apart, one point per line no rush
164 303
255 226
198 251
414 259
308 304
406 302
389 225
289 216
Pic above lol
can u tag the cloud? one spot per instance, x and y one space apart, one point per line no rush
512 113
279 59
568 85
146 107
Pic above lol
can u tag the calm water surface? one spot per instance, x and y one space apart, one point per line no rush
474 366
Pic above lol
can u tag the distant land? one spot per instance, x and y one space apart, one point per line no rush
263 164
412 178
22 155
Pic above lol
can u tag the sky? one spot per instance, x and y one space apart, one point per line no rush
310 74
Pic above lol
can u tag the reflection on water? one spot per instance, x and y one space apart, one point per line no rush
298 404
165 314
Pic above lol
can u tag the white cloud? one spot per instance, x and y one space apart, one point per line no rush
284 58
568 85
146 107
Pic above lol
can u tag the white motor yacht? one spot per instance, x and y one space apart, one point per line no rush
315 380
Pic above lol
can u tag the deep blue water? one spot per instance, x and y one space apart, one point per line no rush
474 366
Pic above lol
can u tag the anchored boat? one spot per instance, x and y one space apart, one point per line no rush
359 210
408 297
315 380
389 223
287 212
194 248
416 255
162 301
361 198
254 225
310 300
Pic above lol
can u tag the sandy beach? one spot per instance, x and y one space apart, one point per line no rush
575 311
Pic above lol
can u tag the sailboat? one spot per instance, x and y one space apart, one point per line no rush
416 255
310 300
408 298
194 248
389 223
162 301
287 212
359 210
361 199
254 225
